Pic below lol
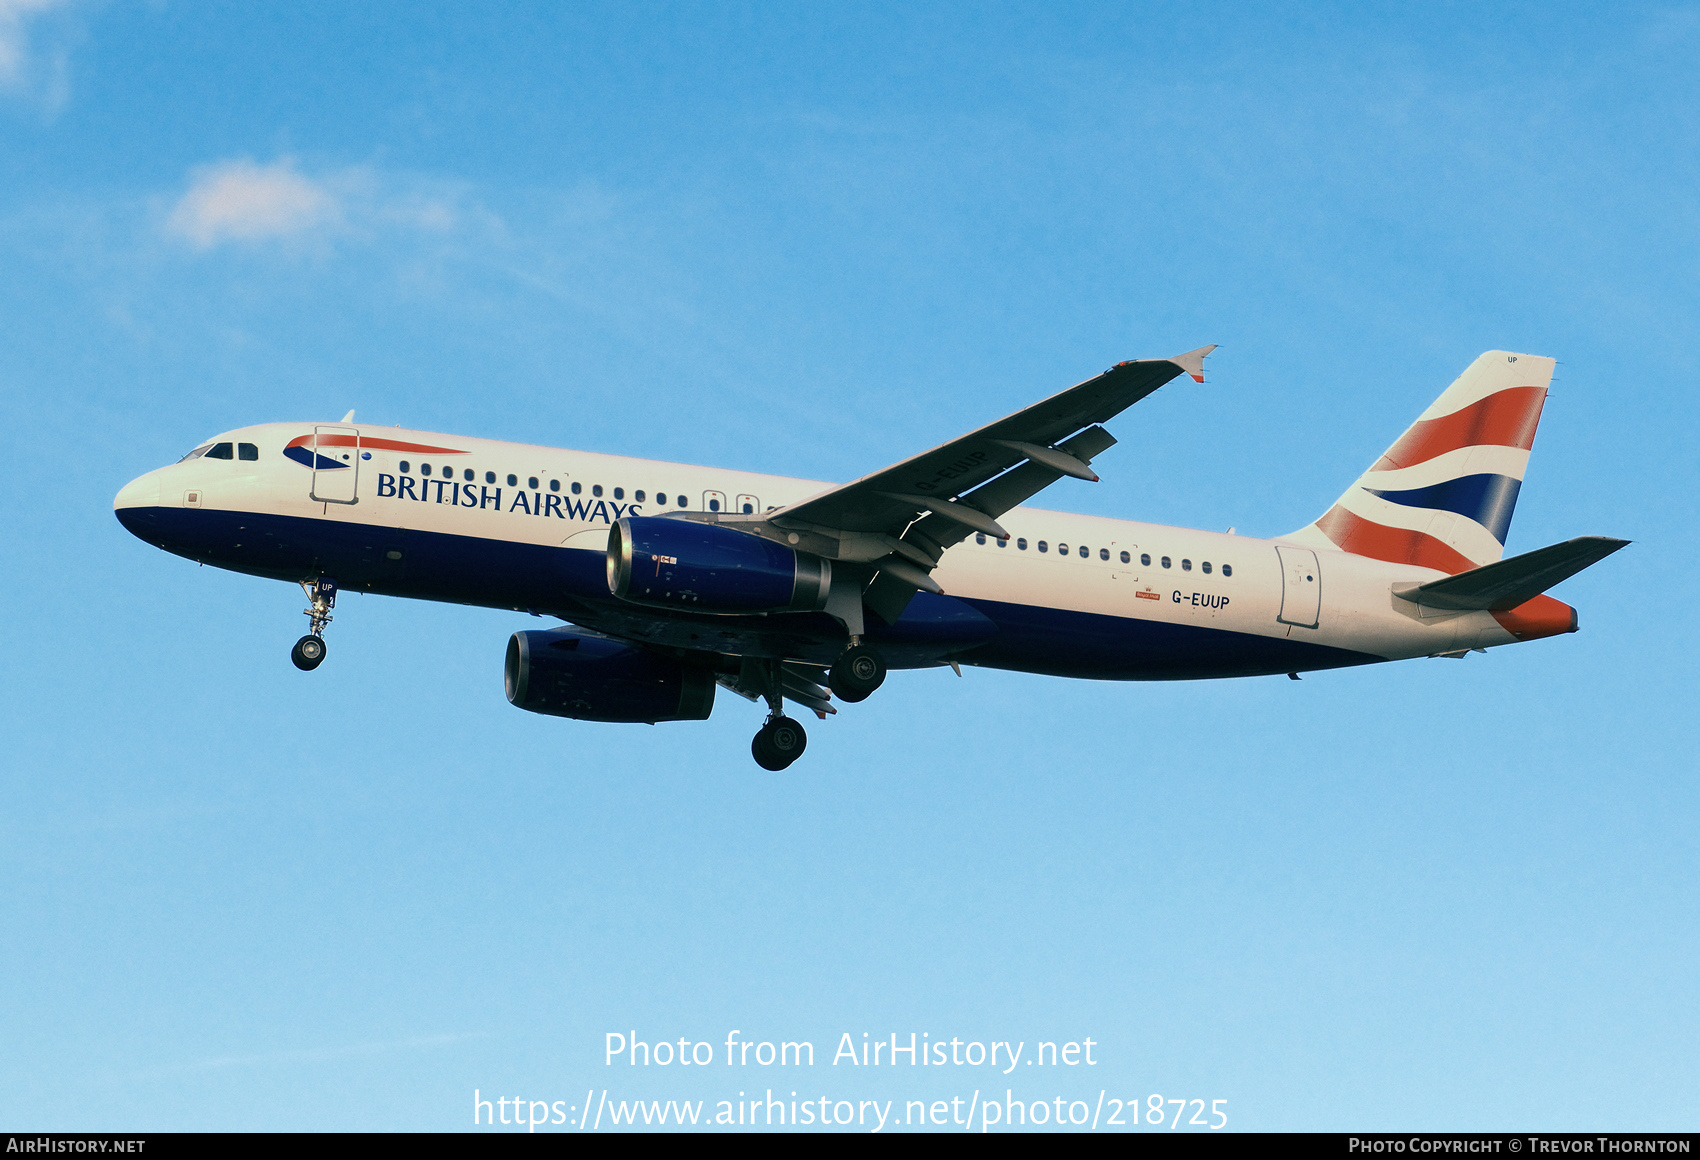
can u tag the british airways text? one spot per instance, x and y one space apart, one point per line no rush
532 503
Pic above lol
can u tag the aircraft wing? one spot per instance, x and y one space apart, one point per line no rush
923 505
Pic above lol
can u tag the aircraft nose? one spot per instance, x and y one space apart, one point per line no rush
143 491
134 504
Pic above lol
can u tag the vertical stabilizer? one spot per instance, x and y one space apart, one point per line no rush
1442 496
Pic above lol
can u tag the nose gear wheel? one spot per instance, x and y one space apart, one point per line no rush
308 652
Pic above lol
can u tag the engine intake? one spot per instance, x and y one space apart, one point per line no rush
674 563
573 673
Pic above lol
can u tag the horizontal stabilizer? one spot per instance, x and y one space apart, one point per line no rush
1509 583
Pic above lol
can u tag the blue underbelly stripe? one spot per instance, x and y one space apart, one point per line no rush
572 584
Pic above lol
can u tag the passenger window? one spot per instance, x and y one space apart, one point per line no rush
713 505
577 487
1186 565
661 499
513 481
1126 559
749 504
404 467
979 537
619 493
554 485
1227 569
1145 559
424 469
1021 544
637 496
1103 553
596 490
682 501
1206 567
247 451
1165 561
1003 543
489 477
749 509
1086 552
1043 547
222 451
469 475
532 483
1062 549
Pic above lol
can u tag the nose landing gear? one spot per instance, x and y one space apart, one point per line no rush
309 651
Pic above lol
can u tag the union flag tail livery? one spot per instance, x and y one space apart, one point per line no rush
675 580
1442 496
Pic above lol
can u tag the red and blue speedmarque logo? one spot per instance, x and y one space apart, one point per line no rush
301 449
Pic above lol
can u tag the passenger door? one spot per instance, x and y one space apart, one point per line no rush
336 464
1301 587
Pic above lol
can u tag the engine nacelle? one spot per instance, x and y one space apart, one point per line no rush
710 568
571 673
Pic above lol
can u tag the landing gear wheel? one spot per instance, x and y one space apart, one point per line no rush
308 652
857 673
780 742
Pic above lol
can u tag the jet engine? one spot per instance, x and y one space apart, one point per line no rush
672 563
569 672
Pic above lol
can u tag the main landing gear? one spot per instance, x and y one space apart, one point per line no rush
856 673
309 651
780 740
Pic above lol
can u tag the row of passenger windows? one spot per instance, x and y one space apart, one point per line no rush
1085 553
245 451
713 501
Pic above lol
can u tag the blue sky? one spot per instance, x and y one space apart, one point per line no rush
1428 895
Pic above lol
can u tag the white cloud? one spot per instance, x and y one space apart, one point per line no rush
242 201
14 44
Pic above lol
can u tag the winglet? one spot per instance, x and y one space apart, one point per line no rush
349 418
1192 362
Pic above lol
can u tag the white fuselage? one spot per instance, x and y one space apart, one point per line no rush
1123 571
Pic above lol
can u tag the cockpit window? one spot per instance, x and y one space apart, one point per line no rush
196 453
222 451
247 451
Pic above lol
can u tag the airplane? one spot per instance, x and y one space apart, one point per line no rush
674 580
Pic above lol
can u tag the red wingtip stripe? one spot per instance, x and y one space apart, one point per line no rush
1354 534
1506 418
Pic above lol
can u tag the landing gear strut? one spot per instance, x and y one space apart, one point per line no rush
857 672
309 651
780 740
